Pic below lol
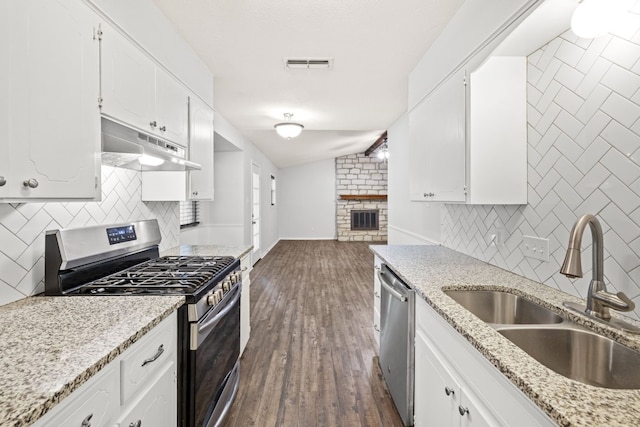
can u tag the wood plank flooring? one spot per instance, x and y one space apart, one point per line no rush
311 359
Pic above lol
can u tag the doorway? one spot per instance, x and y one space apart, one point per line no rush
255 213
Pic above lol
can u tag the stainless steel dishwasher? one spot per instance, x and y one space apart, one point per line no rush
396 340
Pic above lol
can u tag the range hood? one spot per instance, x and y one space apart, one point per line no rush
129 148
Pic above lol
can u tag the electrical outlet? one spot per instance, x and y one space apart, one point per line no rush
536 248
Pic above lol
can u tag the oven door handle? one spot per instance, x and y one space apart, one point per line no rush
200 331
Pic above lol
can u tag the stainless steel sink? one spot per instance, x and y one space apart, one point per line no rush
580 355
503 307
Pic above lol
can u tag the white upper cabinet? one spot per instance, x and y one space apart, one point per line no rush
50 121
172 108
437 144
139 93
192 185
201 150
498 132
487 164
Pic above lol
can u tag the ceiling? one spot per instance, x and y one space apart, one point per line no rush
374 45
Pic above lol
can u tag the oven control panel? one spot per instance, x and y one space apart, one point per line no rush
122 234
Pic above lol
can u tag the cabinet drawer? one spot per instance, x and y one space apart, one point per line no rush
145 358
157 403
96 401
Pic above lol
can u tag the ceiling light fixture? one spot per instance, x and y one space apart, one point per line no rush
383 153
288 129
593 18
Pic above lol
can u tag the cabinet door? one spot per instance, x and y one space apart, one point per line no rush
171 109
201 150
95 403
55 121
437 393
437 141
128 82
473 413
498 132
156 405
5 86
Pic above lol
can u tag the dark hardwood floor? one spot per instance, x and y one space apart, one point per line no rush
311 359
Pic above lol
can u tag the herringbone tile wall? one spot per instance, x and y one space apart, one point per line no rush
583 156
22 228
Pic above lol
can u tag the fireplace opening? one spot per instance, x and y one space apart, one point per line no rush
365 219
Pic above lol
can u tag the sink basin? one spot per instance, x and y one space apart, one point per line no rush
580 355
503 307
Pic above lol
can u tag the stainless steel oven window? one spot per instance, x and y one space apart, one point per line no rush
214 362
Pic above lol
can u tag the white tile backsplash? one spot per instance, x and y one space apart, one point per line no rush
584 157
22 228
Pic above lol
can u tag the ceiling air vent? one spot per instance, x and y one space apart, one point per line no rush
308 63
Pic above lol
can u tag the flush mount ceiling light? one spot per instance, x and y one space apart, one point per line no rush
593 18
288 129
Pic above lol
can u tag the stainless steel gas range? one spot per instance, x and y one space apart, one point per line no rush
123 259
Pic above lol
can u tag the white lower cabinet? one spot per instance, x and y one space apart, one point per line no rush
156 403
245 303
376 302
456 386
93 404
443 401
137 389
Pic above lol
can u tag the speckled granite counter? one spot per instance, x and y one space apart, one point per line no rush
49 346
209 250
429 269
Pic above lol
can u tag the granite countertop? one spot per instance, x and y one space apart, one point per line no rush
429 269
209 250
50 346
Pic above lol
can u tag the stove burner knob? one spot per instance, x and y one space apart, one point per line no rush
219 294
234 278
226 285
211 299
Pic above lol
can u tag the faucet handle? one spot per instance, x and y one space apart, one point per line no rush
619 301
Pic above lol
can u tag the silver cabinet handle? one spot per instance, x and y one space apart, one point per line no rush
195 193
153 124
3 181
463 411
376 328
136 424
376 294
155 356
428 194
87 421
449 391
163 128
31 183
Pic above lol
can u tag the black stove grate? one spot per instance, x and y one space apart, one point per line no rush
164 275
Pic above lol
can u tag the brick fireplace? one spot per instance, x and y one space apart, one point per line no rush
361 186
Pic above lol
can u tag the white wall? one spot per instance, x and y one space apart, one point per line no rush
307 200
409 222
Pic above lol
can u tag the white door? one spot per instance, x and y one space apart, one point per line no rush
255 211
